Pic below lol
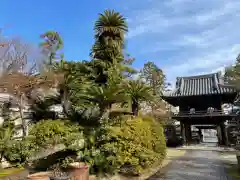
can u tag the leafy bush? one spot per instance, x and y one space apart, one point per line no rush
96 159
52 132
44 134
19 151
136 145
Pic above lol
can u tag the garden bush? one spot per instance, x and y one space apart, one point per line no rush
134 146
44 135
19 151
53 132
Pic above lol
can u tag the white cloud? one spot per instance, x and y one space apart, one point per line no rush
228 8
191 36
210 62
155 17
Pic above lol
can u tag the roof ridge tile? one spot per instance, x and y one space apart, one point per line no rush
200 85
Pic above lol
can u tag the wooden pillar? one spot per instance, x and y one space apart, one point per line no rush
224 134
227 136
219 135
200 135
183 132
188 133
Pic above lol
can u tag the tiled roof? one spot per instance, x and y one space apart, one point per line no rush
199 85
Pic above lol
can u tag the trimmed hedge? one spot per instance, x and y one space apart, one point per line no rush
52 132
45 134
135 146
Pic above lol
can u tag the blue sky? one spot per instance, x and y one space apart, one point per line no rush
184 37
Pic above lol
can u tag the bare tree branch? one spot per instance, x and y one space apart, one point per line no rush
18 63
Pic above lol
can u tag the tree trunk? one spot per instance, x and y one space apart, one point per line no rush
66 102
1 156
104 114
51 58
24 125
154 94
135 108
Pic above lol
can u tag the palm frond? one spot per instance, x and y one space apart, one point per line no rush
138 90
110 24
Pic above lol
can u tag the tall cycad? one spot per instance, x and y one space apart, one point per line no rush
106 95
102 96
110 28
104 52
137 92
74 78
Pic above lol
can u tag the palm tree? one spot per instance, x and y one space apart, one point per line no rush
110 28
102 96
52 43
109 35
70 78
137 92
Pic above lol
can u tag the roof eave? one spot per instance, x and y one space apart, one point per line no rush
179 96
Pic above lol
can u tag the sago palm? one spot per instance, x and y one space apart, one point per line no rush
102 96
137 92
110 28
108 48
106 52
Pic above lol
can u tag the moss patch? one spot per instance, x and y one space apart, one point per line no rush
9 171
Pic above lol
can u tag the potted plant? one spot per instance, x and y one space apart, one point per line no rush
79 170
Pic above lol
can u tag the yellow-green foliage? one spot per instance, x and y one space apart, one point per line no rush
10 171
45 133
136 145
50 132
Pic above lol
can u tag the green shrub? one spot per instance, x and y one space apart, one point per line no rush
136 145
19 151
45 134
52 132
